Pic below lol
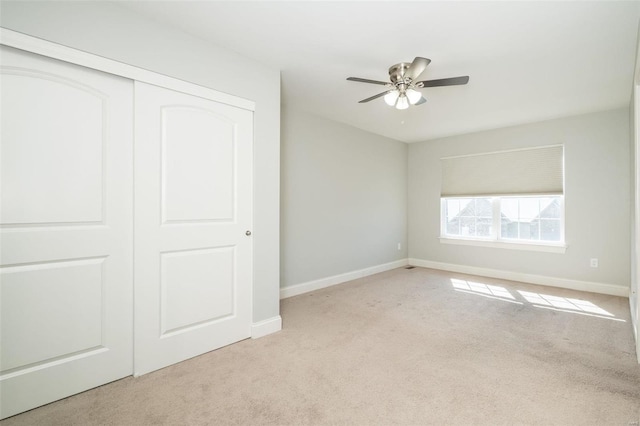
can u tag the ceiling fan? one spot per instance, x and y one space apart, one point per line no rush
403 89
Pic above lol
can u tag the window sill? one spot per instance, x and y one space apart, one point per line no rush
549 248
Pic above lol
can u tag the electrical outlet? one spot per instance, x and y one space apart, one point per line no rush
594 263
399 246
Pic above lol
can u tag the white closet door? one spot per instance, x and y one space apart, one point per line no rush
65 228
193 196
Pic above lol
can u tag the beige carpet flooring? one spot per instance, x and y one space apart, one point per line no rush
407 347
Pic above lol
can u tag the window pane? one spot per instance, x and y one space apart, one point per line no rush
550 229
509 208
529 208
550 208
468 226
509 229
530 230
452 207
484 207
483 227
453 227
467 207
452 210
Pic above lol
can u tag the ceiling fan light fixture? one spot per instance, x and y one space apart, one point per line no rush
403 102
391 97
403 90
413 96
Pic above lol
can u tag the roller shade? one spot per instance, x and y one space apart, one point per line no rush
518 172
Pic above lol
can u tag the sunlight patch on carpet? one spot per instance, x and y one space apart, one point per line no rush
486 290
566 304
537 300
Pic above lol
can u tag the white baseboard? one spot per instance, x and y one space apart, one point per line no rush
297 289
593 287
266 327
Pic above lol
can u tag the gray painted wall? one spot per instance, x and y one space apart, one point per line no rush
110 30
344 197
597 205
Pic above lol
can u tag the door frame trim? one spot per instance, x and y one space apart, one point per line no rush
42 47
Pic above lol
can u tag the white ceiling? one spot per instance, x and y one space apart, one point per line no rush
527 61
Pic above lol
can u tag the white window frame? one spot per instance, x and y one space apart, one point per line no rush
496 241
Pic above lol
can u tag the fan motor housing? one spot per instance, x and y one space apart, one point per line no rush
397 71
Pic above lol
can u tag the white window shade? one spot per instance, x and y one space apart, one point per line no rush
518 172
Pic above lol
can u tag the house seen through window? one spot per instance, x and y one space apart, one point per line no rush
533 218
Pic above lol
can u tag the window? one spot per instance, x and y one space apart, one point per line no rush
533 219
506 197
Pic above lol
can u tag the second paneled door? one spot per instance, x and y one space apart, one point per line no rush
193 195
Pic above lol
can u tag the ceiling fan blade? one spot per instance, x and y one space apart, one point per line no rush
421 101
365 80
417 67
453 81
379 95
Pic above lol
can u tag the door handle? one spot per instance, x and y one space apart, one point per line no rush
248 233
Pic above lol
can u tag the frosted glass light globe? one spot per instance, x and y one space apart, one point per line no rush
403 103
413 96
391 97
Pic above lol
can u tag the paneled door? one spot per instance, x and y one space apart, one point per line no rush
193 215
66 230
